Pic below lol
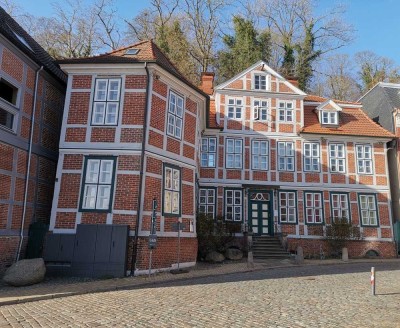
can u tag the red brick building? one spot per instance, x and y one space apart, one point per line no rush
130 134
31 86
279 161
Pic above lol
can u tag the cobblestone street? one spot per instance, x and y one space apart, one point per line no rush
307 296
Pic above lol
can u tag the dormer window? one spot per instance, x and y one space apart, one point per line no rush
329 118
328 113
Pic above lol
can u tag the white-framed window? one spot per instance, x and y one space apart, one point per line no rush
207 201
97 186
311 157
329 117
260 81
340 206
285 156
368 209
233 205
337 158
175 115
8 105
285 111
234 153
364 159
261 110
313 207
287 207
106 101
208 151
259 154
235 108
172 190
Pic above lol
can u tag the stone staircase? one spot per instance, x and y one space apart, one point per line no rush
267 247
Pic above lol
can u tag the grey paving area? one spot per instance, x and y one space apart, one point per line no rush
307 296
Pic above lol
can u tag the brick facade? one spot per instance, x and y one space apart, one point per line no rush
124 142
279 127
19 71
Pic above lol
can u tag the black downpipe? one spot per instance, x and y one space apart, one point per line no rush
139 210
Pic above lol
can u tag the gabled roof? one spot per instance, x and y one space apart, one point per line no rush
353 121
148 52
12 31
329 104
391 90
267 69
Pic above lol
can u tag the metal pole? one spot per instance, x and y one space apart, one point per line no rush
151 253
179 243
373 281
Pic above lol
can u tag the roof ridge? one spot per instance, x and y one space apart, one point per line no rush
167 58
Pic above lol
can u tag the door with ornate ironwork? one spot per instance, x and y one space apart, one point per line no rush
261 212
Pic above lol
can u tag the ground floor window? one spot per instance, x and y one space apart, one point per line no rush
98 184
172 190
368 209
207 201
313 207
340 206
287 207
233 205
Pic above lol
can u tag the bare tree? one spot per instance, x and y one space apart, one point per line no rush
373 68
151 22
110 33
202 18
336 78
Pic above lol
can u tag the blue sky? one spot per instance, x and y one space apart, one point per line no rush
376 22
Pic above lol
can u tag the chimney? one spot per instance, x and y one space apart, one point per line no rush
207 82
294 81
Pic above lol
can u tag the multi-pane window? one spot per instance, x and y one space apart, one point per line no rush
313 207
364 159
233 205
368 210
175 115
260 110
259 155
287 207
286 156
207 201
337 158
8 104
235 106
97 185
208 151
328 117
340 206
285 111
106 101
234 153
260 82
172 190
311 156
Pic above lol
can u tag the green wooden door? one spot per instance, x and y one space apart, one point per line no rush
260 212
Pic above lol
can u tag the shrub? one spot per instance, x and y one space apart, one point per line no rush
214 234
339 232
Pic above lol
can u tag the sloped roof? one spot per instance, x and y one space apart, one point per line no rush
352 122
148 51
319 99
21 39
